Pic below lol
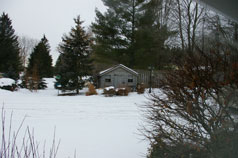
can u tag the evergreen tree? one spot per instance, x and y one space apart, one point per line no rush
150 37
41 59
74 61
39 66
130 32
9 48
115 30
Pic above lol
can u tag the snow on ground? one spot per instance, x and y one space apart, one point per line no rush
94 126
6 82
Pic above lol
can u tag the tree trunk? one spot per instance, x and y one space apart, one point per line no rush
180 24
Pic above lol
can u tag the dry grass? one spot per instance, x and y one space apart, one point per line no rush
109 92
122 91
91 90
14 146
140 88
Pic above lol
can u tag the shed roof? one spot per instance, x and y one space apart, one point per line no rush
116 67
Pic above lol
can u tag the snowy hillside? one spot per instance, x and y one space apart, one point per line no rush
94 126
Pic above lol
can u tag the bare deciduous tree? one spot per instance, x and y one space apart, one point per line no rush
186 17
195 113
27 45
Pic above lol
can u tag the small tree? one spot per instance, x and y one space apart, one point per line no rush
39 66
74 61
9 48
41 58
195 113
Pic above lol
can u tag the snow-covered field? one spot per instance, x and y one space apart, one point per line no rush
94 126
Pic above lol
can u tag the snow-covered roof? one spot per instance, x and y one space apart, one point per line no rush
6 82
115 67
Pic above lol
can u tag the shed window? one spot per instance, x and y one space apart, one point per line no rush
130 80
108 78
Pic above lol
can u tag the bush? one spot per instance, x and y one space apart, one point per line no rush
32 83
8 84
140 88
122 91
9 88
91 90
109 91
192 111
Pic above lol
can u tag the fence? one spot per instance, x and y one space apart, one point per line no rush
156 76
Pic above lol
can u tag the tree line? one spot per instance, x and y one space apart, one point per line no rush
197 46
136 33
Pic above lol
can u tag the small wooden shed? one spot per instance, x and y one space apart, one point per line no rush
118 76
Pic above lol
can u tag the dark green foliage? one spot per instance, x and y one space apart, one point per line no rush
33 83
115 31
39 66
9 50
40 60
150 38
130 33
150 48
74 61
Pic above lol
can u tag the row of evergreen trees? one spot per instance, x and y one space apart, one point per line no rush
40 61
73 64
129 32
10 62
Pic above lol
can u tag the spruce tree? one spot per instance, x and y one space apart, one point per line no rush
115 30
39 66
150 38
41 59
9 49
130 32
74 61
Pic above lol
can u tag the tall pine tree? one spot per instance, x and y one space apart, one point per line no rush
41 60
150 37
9 48
130 32
115 30
74 61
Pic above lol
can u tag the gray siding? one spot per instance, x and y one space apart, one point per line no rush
118 78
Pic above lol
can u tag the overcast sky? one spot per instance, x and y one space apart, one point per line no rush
53 18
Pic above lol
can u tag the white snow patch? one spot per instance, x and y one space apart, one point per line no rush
109 88
117 66
94 126
6 82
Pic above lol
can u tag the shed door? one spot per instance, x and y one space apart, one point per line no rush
119 81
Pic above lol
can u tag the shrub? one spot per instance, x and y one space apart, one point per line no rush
140 88
122 91
91 90
195 110
33 83
109 91
9 88
8 84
